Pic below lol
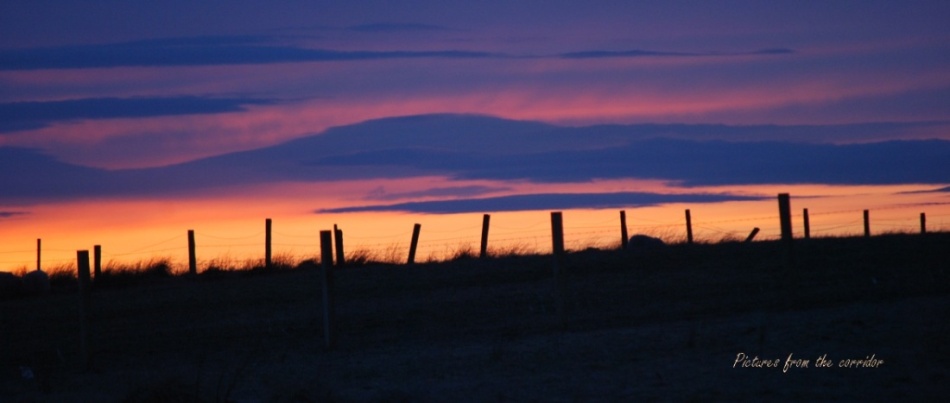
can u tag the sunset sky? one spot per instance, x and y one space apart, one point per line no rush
116 103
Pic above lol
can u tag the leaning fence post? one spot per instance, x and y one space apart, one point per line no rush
326 260
267 243
557 248
623 230
923 223
192 256
867 223
689 228
414 243
752 234
82 264
483 252
807 224
338 242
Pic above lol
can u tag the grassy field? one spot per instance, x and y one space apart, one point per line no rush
632 326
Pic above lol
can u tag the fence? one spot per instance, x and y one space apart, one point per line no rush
530 237
331 243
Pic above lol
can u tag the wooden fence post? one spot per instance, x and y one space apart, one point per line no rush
557 233
557 248
97 261
785 216
267 243
414 243
82 264
192 256
483 252
338 242
752 234
689 228
326 260
807 224
923 223
39 250
623 230
867 223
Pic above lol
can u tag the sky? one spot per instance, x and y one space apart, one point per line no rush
115 84
460 106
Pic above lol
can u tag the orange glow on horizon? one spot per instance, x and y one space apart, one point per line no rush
231 226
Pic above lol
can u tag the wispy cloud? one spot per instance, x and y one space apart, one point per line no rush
197 51
247 49
451 191
389 27
205 40
598 54
18 116
938 190
8 214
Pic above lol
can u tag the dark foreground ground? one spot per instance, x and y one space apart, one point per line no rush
636 326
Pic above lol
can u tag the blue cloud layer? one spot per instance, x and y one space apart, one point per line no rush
33 115
546 201
484 148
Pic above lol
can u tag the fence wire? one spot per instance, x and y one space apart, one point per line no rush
580 234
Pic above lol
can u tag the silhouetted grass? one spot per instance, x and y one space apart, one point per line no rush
61 275
512 249
462 251
158 269
122 274
359 257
